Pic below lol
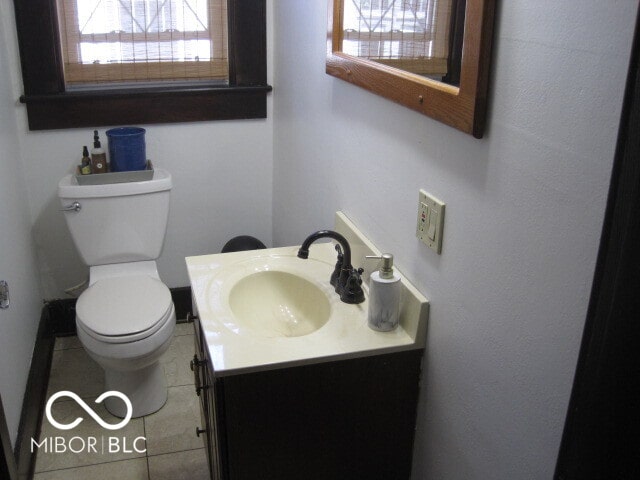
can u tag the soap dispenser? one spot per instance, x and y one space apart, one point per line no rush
384 296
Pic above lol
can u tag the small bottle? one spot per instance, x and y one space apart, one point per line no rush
98 156
384 296
85 164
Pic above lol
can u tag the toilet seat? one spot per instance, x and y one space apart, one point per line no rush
124 309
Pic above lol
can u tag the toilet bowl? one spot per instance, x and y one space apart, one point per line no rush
125 323
125 319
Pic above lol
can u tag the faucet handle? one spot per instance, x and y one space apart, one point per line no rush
335 276
352 291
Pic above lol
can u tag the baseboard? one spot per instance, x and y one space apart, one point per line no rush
35 395
181 297
8 468
63 317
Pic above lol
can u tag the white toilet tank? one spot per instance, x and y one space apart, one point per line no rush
117 222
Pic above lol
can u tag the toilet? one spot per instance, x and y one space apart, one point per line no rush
125 318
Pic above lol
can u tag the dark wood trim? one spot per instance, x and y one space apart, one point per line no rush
8 469
35 395
49 106
62 317
456 39
181 297
99 109
40 56
601 438
247 42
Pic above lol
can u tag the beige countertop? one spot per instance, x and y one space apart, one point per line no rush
236 348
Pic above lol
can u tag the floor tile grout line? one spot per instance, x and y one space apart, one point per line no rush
177 451
88 465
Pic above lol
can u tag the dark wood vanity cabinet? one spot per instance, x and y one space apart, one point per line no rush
342 420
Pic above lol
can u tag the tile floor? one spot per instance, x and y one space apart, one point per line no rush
173 451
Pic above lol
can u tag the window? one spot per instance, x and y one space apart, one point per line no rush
113 62
119 41
411 35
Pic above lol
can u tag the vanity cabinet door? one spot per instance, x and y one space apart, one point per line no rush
206 390
347 419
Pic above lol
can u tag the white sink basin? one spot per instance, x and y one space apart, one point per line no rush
278 303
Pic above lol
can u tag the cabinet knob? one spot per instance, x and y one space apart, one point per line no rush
199 389
195 363
200 430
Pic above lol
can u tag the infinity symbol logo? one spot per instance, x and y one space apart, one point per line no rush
79 401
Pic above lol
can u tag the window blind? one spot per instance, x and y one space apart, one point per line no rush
412 35
148 41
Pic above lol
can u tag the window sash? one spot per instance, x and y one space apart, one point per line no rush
79 72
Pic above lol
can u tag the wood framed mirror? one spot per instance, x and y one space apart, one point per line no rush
429 55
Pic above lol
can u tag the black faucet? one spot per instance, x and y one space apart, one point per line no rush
348 282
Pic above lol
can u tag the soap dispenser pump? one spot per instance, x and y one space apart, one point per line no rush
384 296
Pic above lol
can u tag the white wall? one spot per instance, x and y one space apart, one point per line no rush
222 174
19 322
524 212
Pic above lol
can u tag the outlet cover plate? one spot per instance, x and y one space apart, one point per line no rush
430 225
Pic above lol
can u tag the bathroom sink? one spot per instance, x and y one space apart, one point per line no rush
279 303
272 294
265 309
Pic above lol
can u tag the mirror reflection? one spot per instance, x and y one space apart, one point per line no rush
423 37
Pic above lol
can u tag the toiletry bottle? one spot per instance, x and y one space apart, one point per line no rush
85 164
384 296
98 156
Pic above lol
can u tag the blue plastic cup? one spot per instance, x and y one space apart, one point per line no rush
127 150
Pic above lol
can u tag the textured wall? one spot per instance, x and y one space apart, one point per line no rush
524 211
17 253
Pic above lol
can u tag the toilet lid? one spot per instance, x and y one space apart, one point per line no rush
124 305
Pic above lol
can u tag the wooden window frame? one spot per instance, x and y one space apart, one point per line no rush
51 106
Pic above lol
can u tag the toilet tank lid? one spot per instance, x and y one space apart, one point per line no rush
68 187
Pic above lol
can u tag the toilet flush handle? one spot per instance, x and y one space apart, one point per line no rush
74 207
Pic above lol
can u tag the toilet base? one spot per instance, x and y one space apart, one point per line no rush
146 389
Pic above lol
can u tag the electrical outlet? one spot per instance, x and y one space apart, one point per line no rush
430 221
